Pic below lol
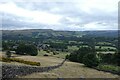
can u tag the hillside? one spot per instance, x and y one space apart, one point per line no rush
67 70
48 33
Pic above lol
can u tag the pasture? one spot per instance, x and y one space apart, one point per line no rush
68 69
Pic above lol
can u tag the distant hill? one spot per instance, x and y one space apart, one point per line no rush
36 33
106 33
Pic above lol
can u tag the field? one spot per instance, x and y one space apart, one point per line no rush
105 47
68 69
49 49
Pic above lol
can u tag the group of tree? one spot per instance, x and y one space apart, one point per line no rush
23 49
84 55
58 46
90 58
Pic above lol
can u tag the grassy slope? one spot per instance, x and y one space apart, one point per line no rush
69 69
72 70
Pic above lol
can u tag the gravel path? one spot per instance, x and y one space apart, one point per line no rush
12 71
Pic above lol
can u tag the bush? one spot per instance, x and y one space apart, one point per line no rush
20 61
91 60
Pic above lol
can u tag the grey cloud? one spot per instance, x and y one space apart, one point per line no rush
66 9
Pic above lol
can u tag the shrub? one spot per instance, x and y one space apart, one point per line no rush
91 60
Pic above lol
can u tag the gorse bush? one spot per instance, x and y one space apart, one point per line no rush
20 61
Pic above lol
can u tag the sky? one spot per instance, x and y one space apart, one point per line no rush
70 15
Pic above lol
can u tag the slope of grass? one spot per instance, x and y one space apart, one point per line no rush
72 70
68 70
61 55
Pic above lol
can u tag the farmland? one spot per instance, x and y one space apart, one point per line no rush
71 69
51 48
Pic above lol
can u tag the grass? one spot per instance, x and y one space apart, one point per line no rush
106 52
44 60
68 70
41 53
61 55
111 68
105 47
104 43
73 48
72 70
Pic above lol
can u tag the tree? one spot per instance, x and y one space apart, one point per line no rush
73 57
117 58
82 52
5 46
27 49
107 58
91 60
8 54
92 43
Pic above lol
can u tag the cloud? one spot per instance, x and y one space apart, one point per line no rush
60 15
33 16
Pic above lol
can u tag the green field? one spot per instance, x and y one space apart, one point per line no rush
105 47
